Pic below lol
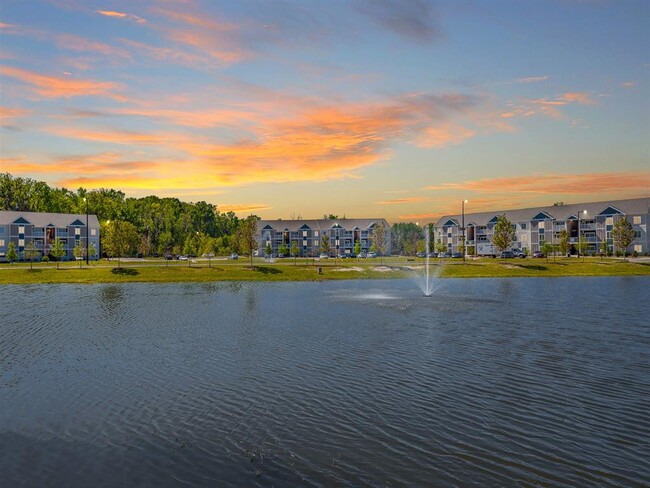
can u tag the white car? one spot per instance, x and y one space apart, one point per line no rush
234 256
324 256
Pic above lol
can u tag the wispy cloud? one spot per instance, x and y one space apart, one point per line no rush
555 184
628 84
122 15
63 87
415 19
550 107
531 79
80 44
243 207
400 201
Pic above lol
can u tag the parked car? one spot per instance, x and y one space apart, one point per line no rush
518 253
363 255
234 256
372 254
457 255
182 257
169 257
539 254
444 255
421 255
324 256
507 254
433 254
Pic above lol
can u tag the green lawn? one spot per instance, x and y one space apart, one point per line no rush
308 270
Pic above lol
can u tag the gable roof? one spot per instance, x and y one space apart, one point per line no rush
634 206
46 219
320 224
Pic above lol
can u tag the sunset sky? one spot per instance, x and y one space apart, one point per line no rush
368 108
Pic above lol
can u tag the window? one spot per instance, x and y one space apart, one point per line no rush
2 243
315 233
21 229
541 225
304 243
638 248
77 231
2 230
523 238
636 219
637 234
93 232
609 221
523 226
21 242
316 241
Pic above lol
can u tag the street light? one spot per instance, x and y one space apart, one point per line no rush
579 236
87 247
463 227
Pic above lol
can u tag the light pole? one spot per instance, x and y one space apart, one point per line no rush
462 227
579 233
87 244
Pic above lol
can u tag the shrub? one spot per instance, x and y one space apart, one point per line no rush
45 259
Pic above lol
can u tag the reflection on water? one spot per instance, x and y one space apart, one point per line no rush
514 382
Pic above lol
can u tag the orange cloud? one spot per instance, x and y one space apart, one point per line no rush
553 184
121 15
444 134
63 87
81 44
12 113
399 201
243 208
548 107
218 40
111 136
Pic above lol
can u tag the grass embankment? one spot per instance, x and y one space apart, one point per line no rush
287 270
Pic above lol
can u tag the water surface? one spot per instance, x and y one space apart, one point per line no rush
505 382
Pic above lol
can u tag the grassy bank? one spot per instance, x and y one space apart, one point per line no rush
287 270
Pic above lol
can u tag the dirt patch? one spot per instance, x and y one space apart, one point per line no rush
382 269
353 268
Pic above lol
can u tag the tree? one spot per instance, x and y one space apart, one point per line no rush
440 246
563 243
247 235
283 250
31 253
92 251
547 249
294 251
623 234
325 244
12 255
58 251
379 240
79 253
504 234
357 247
604 248
269 250
120 238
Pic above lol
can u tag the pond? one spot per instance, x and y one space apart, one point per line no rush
489 382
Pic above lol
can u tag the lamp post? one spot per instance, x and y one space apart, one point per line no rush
87 244
579 233
463 227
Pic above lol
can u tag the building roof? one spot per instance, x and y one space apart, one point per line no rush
320 224
634 206
44 219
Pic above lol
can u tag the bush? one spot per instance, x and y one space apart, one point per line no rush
635 254
45 259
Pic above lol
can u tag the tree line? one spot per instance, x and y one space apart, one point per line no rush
149 225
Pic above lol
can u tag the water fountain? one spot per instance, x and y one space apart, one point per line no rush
427 285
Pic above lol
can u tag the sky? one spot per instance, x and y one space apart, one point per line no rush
360 108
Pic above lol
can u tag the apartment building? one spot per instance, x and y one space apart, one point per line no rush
42 229
591 223
308 235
